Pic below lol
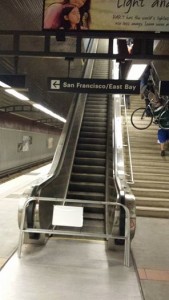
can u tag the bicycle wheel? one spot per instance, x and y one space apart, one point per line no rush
140 120
164 119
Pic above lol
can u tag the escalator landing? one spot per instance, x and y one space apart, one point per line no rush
68 269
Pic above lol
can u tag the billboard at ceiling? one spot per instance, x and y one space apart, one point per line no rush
111 15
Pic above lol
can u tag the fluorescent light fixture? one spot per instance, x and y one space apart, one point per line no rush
49 112
4 85
115 47
115 70
16 94
136 71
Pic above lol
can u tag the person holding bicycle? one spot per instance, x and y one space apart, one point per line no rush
146 90
157 112
156 101
163 139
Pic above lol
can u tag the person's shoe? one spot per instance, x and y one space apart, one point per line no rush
162 153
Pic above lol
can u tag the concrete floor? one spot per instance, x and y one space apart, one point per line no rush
79 269
68 269
150 249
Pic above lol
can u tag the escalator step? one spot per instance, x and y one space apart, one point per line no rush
89 161
99 141
95 124
93 226
93 114
93 216
92 134
88 128
88 169
101 120
87 187
86 196
91 147
95 109
88 177
94 154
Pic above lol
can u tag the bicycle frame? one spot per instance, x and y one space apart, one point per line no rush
142 118
160 116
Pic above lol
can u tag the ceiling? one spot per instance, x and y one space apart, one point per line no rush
19 15
27 16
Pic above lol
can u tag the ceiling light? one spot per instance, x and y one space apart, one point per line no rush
16 94
49 112
136 71
115 47
4 85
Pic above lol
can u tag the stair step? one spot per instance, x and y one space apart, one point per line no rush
148 201
154 176
149 192
154 184
154 212
149 169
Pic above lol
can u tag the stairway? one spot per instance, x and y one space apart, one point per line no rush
150 170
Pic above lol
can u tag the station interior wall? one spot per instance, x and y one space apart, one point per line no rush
23 144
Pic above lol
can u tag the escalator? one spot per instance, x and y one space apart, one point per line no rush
87 164
88 176
84 172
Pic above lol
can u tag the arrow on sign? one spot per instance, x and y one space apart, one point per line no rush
55 84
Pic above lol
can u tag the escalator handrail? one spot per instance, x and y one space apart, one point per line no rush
65 135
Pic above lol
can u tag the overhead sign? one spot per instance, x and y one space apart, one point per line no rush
164 88
123 15
17 81
97 86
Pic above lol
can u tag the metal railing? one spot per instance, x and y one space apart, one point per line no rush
131 181
24 229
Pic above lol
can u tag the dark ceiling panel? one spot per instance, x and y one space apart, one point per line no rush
21 15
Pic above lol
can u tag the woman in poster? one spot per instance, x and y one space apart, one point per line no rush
70 18
52 15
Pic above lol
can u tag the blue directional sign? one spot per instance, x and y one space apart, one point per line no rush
84 85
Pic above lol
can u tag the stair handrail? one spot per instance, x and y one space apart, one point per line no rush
123 104
123 189
65 135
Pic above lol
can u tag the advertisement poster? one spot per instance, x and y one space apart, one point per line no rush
111 15
50 142
24 145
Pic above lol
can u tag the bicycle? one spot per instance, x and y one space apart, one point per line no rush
142 118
